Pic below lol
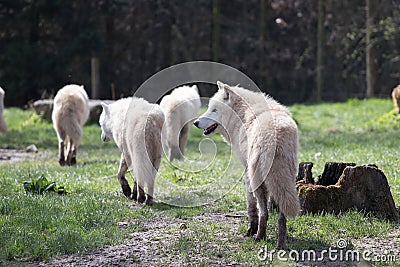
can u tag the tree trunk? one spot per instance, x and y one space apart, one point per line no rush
216 28
95 78
263 17
371 66
164 38
108 69
320 49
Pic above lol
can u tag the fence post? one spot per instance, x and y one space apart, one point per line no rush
95 74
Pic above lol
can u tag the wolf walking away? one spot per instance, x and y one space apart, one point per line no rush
180 109
135 126
70 113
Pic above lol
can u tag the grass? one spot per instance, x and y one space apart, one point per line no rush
37 228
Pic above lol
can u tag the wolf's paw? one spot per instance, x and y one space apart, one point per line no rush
259 237
62 162
141 198
141 195
149 200
252 229
73 162
134 194
282 246
127 191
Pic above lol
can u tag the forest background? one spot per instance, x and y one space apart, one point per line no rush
295 50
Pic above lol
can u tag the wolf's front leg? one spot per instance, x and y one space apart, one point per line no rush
252 211
123 167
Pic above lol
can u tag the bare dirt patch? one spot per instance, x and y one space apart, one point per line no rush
149 247
157 244
15 155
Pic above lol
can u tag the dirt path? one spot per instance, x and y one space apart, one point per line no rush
14 155
154 247
147 248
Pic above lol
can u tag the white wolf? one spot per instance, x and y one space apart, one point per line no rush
180 109
3 125
396 98
264 137
70 113
135 126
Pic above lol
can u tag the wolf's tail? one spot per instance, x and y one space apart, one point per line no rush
277 171
286 198
74 130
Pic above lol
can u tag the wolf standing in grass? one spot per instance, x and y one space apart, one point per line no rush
264 138
396 98
180 109
70 112
135 126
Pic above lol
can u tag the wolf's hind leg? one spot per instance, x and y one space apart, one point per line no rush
261 195
61 146
61 156
73 154
123 167
252 211
141 196
183 137
134 191
282 232
150 191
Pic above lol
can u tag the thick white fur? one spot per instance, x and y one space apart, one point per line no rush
70 113
135 126
180 109
3 125
264 138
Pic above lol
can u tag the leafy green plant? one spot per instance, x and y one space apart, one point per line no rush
34 119
42 185
390 119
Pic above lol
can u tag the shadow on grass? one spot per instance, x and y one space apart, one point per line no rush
179 212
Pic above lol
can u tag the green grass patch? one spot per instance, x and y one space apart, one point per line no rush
38 227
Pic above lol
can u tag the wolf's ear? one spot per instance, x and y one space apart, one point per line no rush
220 85
105 107
226 90
195 88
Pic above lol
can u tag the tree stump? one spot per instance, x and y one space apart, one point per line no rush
305 173
332 172
364 188
43 108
